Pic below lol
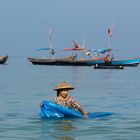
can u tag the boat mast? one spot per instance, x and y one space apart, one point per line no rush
109 37
85 51
83 45
110 32
52 51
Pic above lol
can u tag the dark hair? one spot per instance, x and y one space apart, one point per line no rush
58 92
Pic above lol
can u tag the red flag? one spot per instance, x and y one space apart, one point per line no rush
109 32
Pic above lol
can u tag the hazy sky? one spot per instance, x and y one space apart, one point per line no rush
23 24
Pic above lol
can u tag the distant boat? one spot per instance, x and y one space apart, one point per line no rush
101 57
3 59
49 61
111 61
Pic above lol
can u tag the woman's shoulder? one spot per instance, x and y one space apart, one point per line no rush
70 98
55 99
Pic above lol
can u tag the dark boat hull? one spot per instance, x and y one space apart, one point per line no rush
108 67
79 62
64 62
3 59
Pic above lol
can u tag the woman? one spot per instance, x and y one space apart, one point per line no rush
65 100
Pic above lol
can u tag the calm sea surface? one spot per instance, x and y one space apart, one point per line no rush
23 86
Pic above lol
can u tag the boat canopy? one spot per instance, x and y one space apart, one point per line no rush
42 49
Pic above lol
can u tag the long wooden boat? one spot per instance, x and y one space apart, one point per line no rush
71 61
3 59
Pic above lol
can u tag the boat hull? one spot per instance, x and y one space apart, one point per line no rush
66 62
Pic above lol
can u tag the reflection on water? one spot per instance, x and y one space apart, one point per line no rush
65 125
59 129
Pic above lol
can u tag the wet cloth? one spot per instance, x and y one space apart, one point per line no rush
69 102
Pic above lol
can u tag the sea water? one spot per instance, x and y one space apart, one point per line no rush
23 86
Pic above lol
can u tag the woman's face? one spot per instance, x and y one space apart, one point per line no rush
64 93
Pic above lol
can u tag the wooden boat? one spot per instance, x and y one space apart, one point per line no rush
70 61
111 61
3 59
50 61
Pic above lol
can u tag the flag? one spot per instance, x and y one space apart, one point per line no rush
109 32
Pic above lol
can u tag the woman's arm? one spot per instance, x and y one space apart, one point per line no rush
76 105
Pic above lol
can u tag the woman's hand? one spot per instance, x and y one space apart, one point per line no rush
86 114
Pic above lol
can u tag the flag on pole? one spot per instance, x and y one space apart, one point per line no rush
110 32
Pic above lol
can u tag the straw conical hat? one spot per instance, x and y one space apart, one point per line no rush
63 85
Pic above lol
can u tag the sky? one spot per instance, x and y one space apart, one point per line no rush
24 25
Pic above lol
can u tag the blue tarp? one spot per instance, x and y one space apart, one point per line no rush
50 109
103 51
